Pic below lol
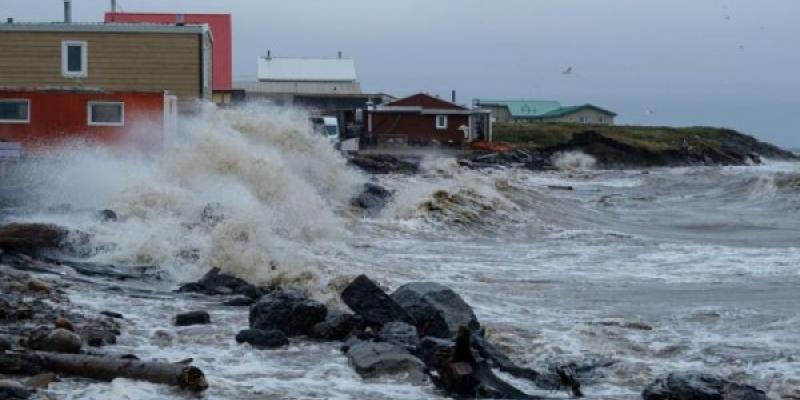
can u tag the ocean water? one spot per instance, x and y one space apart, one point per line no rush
659 270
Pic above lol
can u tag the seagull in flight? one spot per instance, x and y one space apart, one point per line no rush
568 71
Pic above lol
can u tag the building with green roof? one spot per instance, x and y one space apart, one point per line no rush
545 111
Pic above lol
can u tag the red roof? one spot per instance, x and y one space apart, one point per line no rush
426 101
220 25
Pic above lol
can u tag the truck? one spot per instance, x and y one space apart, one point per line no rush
328 127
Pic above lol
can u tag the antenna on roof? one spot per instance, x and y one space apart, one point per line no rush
340 54
269 54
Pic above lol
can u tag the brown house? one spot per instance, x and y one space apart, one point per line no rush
424 119
108 56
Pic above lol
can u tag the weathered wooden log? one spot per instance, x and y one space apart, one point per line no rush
105 368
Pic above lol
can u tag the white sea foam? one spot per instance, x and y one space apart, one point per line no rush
573 161
275 184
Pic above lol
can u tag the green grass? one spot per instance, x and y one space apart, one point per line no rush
653 138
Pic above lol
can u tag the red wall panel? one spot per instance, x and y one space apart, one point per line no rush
57 117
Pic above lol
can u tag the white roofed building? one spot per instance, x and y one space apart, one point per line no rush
320 84
274 69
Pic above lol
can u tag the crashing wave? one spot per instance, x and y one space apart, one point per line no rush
573 161
273 188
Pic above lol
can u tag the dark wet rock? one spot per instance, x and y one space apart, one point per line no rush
243 301
337 327
369 301
288 312
32 238
699 386
262 339
461 374
13 390
62 341
373 359
192 318
372 199
5 344
107 215
112 314
437 309
399 333
64 323
216 283
557 377
386 164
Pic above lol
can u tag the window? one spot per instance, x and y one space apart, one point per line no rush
106 113
15 111
74 59
583 120
441 122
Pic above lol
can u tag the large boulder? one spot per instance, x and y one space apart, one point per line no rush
699 386
437 309
288 312
401 334
372 199
337 327
262 339
214 282
62 341
192 318
373 359
370 302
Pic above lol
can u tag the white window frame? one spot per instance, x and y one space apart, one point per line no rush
84 72
27 119
441 126
583 120
89 113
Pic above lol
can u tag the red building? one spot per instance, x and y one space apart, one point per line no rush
47 118
424 119
220 26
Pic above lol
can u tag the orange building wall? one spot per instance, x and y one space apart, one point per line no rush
57 117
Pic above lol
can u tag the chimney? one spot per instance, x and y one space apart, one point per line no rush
453 96
67 11
10 20
113 6
269 54
180 19
340 54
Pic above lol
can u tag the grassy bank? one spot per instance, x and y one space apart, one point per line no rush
653 138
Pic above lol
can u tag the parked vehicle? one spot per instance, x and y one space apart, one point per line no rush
328 127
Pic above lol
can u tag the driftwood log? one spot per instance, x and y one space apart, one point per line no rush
104 368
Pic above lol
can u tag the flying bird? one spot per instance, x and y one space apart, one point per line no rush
568 71
648 112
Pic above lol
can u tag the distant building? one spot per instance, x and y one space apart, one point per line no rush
319 84
545 111
221 32
424 119
41 119
112 57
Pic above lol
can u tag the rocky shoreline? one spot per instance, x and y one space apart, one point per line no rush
608 152
422 331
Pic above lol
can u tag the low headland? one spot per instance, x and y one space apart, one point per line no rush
536 146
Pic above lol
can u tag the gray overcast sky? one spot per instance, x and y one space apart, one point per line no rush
733 63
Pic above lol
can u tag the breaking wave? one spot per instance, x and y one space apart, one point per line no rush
252 191
573 161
